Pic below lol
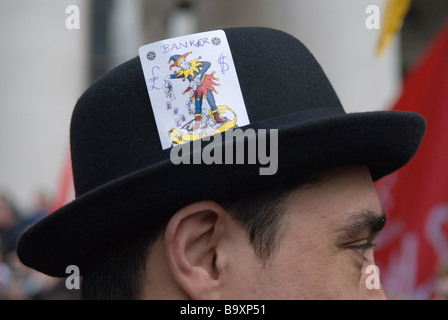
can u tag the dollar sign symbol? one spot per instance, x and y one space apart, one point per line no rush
224 66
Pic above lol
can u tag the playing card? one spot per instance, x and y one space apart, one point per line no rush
194 75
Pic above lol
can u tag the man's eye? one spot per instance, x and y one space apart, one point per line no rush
362 247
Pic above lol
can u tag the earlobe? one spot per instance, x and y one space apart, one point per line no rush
192 239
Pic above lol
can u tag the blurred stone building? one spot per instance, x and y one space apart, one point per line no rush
45 67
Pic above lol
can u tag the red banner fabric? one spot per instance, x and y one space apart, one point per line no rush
415 198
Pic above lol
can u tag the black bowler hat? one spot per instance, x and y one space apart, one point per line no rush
125 183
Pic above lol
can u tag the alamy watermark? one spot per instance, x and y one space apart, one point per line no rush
73 281
373 20
73 20
212 153
373 280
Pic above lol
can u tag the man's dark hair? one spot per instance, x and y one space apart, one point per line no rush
119 274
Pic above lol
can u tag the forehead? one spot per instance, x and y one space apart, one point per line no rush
334 199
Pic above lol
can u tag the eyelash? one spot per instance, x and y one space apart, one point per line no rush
361 248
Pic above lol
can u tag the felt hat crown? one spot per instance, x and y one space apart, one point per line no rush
125 183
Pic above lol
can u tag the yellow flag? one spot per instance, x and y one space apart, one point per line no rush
396 11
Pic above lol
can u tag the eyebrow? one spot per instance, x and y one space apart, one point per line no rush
362 223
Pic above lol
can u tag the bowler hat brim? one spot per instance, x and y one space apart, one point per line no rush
146 198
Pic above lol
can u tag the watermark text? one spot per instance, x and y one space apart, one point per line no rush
73 280
373 20
236 143
73 20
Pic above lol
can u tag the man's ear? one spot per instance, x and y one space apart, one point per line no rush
192 238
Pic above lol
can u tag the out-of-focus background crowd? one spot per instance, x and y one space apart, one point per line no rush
46 65
17 281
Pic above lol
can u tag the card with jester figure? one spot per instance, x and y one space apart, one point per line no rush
193 87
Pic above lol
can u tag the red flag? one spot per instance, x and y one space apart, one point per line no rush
415 198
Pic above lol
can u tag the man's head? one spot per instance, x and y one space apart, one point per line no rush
159 230
312 240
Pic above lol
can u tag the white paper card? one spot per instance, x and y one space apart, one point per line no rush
193 87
